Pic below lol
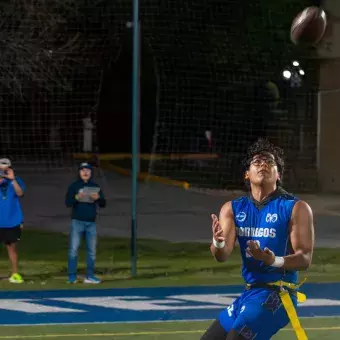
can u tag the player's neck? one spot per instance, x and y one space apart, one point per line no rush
260 193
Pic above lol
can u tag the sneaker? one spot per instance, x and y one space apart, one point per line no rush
16 278
92 279
72 279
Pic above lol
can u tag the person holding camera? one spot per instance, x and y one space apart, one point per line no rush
83 196
11 215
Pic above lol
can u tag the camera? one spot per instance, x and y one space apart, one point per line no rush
3 173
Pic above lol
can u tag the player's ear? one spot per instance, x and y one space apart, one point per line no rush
246 175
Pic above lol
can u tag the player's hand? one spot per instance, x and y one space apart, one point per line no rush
94 196
217 229
79 196
9 174
265 255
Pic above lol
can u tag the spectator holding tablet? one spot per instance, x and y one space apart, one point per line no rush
83 197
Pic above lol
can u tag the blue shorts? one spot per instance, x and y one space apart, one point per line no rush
257 314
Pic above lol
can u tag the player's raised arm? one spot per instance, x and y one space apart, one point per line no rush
224 233
301 237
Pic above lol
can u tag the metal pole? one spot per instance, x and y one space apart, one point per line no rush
135 133
318 133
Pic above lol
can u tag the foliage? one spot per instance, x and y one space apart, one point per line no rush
42 41
35 47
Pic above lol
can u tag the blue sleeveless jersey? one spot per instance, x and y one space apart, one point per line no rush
268 224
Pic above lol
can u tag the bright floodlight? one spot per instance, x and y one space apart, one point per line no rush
302 72
286 74
296 63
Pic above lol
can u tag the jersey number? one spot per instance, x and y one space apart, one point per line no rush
258 242
230 310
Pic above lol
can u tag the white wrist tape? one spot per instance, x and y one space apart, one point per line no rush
279 262
218 245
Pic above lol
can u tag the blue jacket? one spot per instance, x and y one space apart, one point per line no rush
83 211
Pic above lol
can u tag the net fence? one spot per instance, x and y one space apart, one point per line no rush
51 65
211 83
224 75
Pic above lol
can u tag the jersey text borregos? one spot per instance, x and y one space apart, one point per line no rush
269 226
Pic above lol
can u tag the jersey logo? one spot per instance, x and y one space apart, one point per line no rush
273 302
247 333
271 218
241 216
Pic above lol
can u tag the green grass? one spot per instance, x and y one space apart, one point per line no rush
160 263
316 329
43 263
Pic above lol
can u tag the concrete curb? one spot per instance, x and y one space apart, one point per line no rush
144 176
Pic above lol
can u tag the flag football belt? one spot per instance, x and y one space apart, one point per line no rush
284 289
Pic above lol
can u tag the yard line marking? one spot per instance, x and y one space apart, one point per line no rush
136 322
42 336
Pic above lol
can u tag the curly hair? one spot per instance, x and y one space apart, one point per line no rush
261 146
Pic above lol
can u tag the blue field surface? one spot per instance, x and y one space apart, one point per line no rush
143 304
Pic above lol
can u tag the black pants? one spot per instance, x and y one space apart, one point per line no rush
10 235
217 332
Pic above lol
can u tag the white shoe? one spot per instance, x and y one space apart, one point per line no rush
92 280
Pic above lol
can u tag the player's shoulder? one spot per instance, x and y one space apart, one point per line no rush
295 203
302 206
238 204
240 201
227 209
286 196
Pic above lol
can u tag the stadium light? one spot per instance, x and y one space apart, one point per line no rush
296 63
302 72
287 74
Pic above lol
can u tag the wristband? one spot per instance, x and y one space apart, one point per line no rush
218 245
278 262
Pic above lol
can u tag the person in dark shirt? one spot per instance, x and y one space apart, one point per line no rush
83 196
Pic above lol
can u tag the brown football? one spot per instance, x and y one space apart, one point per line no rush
309 26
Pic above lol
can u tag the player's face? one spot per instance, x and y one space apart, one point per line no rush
85 174
263 169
